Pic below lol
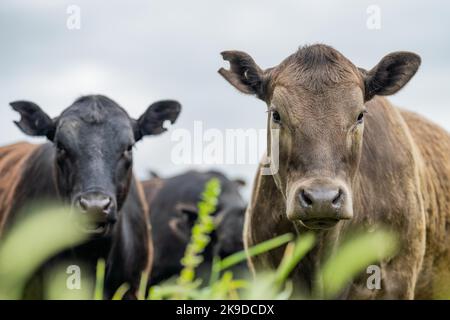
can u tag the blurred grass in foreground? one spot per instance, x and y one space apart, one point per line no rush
42 235
31 242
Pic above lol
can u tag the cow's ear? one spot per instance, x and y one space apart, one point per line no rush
152 121
244 74
33 121
390 74
183 221
188 211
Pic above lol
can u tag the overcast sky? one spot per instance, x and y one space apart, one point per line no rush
137 52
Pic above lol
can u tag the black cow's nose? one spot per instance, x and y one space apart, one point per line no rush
321 198
101 211
95 203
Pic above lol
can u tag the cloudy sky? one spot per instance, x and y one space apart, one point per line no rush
137 52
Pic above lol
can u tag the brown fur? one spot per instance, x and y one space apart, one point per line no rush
151 188
145 209
394 167
12 161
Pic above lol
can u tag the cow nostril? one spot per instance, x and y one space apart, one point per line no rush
106 203
95 203
337 199
305 198
84 204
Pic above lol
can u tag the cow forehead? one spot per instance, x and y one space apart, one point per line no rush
74 129
315 67
336 102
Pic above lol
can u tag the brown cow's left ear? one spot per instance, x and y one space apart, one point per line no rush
391 74
151 122
244 74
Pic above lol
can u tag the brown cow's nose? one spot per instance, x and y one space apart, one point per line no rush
322 207
321 198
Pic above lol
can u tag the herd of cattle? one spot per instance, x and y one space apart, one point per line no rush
329 177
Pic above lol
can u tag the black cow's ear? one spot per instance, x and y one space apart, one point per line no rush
183 220
244 74
240 183
189 211
391 74
151 122
33 120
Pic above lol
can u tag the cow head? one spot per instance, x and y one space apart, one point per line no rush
316 108
93 140
182 194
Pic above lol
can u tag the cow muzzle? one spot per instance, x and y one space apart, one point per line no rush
100 209
320 204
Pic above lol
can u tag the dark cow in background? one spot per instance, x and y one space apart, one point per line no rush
87 164
332 178
173 212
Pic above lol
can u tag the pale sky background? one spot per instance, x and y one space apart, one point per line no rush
137 52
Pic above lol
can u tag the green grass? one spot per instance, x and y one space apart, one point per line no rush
42 235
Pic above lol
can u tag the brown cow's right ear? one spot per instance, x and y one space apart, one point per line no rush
391 74
244 74
34 121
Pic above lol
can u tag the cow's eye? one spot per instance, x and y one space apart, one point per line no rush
276 117
61 150
360 118
128 152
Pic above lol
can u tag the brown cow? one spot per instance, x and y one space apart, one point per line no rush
330 179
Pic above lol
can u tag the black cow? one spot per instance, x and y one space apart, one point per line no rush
88 164
173 212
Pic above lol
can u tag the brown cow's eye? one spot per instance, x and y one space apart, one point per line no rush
276 117
360 118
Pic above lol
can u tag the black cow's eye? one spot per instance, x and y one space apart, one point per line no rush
61 150
360 118
276 117
128 152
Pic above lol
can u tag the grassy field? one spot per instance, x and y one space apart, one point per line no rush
40 236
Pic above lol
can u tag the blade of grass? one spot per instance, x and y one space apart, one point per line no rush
293 254
121 291
215 270
262 247
353 256
41 234
142 286
99 279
